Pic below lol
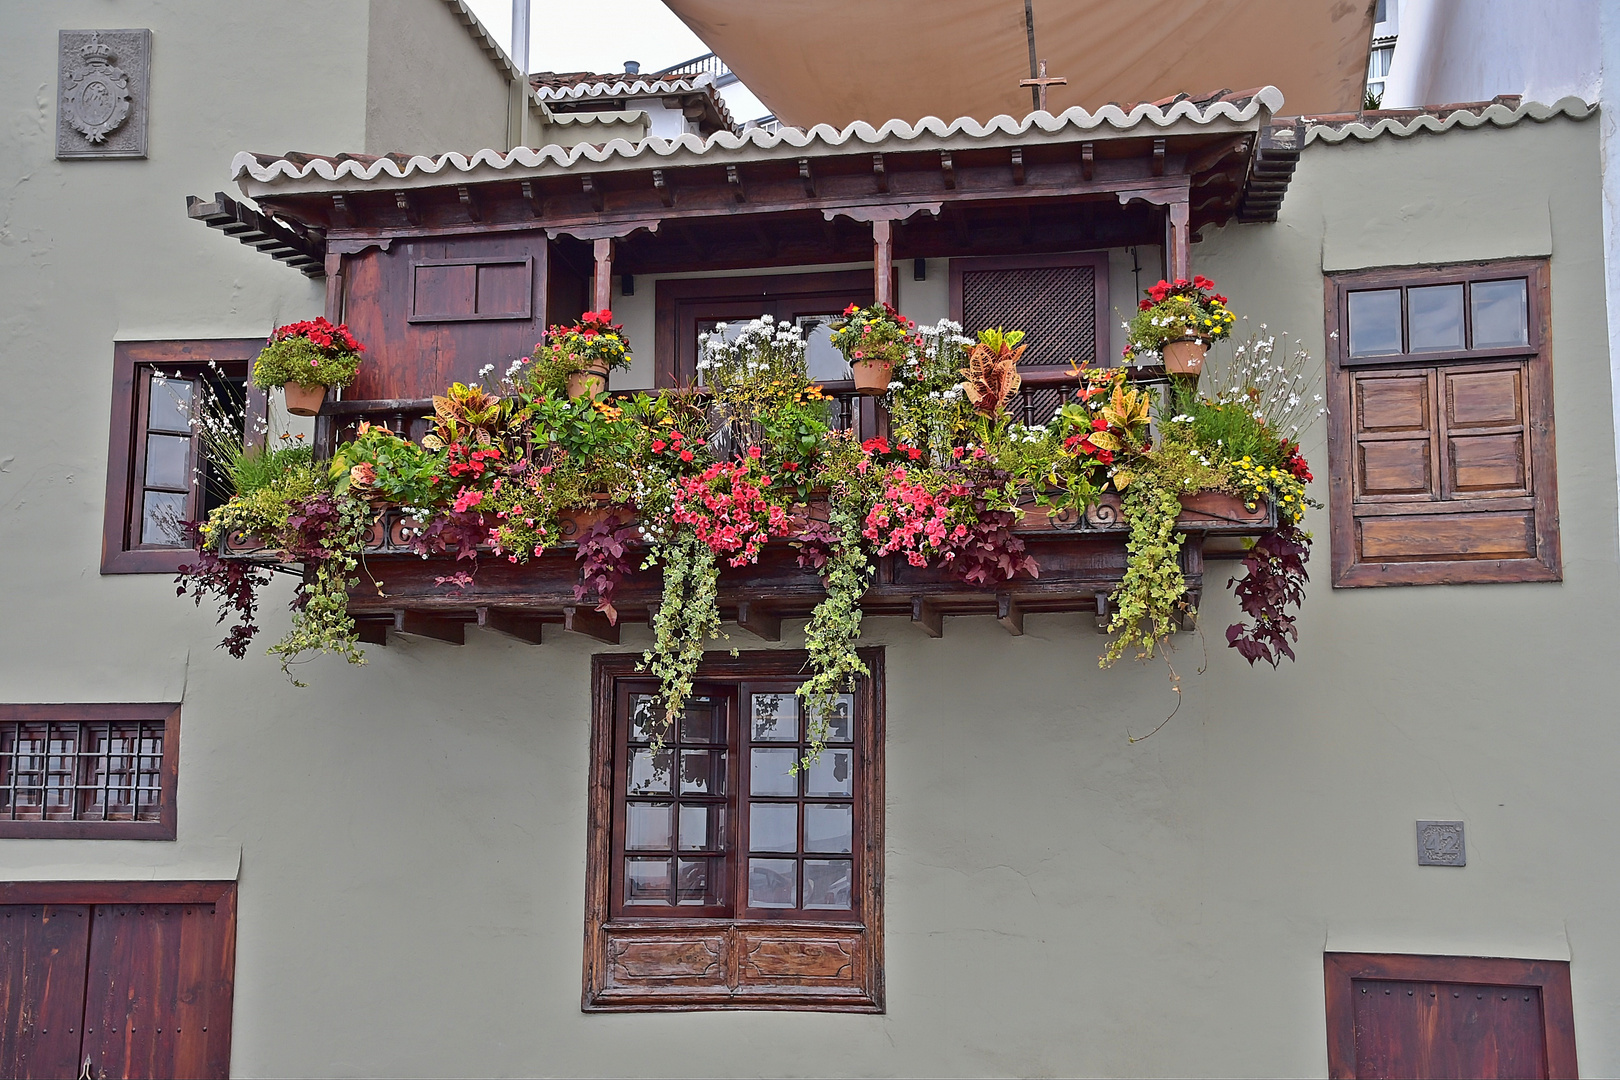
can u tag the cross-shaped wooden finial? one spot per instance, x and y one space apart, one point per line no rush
1039 84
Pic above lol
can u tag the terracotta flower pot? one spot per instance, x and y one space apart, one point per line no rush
591 381
1184 357
304 400
872 377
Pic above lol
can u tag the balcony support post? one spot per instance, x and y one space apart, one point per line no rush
602 278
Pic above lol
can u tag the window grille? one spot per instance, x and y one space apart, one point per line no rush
81 770
1055 306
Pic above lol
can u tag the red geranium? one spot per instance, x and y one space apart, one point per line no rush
320 332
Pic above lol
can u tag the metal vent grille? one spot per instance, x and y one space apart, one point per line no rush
1055 306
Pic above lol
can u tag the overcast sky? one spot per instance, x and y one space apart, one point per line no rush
600 35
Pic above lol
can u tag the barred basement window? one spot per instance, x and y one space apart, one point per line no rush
89 771
719 874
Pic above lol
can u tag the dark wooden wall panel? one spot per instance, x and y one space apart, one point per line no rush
426 326
42 954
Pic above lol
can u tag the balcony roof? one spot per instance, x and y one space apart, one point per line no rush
1226 112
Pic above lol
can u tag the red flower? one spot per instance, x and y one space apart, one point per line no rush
686 455
658 446
1099 424
754 452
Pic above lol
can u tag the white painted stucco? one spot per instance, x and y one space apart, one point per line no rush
410 834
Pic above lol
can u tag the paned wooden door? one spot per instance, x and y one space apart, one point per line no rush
137 989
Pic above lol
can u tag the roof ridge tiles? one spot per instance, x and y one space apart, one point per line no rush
1404 123
858 135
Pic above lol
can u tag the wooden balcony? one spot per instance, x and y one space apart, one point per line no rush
1081 560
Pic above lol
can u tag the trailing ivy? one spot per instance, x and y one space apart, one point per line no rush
334 533
835 624
1145 602
687 620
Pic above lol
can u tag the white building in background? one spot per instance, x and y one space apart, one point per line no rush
1541 50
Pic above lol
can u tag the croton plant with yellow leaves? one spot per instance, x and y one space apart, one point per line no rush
701 478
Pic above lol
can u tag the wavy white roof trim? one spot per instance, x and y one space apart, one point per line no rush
1498 115
605 88
928 133
679 85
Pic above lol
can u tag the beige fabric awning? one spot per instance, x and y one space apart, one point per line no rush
834 61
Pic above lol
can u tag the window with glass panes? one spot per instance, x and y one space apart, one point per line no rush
726 814
714 839
1441 427
161 472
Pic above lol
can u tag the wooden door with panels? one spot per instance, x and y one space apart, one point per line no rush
116 979
1448 1016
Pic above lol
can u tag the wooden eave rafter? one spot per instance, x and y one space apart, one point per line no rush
1222 174
301 248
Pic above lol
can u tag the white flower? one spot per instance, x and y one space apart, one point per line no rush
1182 418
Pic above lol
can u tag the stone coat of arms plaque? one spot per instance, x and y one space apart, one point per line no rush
102 90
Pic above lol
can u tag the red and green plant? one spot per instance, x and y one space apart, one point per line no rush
309 354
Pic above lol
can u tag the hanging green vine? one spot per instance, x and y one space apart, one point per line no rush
687 620
1146 600
333 530
835 626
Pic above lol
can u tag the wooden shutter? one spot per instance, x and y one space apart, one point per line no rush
1059 301
1443 471
460 290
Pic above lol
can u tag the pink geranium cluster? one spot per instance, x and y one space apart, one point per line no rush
727 507
911 519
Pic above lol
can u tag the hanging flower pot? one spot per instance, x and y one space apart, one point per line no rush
590 382
315 352
872 377
304 400
1184 357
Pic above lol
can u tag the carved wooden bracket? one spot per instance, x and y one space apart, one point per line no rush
608 230
891 212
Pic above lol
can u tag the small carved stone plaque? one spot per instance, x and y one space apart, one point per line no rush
1440 843
102 88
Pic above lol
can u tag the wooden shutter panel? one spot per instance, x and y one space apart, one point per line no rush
1443 468
459 290
1059 301
1055 306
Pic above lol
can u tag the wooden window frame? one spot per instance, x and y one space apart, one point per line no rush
1096 260
164 828
681 303
121 552
676 963
1541 462
1550 977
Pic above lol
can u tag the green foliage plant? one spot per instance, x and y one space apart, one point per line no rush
1175 311
309 354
